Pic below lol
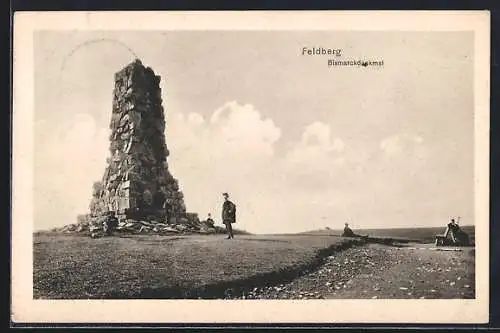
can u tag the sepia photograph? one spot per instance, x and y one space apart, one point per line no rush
243 165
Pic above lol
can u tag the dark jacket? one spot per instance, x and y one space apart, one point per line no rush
348 232
112 222
228 212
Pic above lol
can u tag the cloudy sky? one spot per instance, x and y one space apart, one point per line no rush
298 145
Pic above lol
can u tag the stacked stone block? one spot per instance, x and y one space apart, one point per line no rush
137 183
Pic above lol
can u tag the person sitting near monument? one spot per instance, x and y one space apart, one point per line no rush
348 231
110 224
209 221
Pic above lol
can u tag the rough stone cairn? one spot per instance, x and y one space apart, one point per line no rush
137 184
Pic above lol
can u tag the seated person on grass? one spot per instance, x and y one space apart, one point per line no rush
348 231
209 221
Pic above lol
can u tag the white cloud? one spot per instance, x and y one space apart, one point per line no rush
317 150
242 130
233 130
68 161
400 143
318 134
231 152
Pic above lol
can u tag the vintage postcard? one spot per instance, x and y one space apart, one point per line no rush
251 167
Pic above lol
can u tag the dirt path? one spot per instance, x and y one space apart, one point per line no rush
378 271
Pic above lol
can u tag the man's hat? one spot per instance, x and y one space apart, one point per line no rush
225 193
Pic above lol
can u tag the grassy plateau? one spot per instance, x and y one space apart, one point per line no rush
151 266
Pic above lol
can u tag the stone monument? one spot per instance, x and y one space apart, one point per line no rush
137 183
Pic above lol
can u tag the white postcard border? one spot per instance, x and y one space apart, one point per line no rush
25 309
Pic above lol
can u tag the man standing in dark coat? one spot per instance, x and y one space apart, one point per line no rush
228 215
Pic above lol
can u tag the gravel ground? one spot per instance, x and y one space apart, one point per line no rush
378 271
